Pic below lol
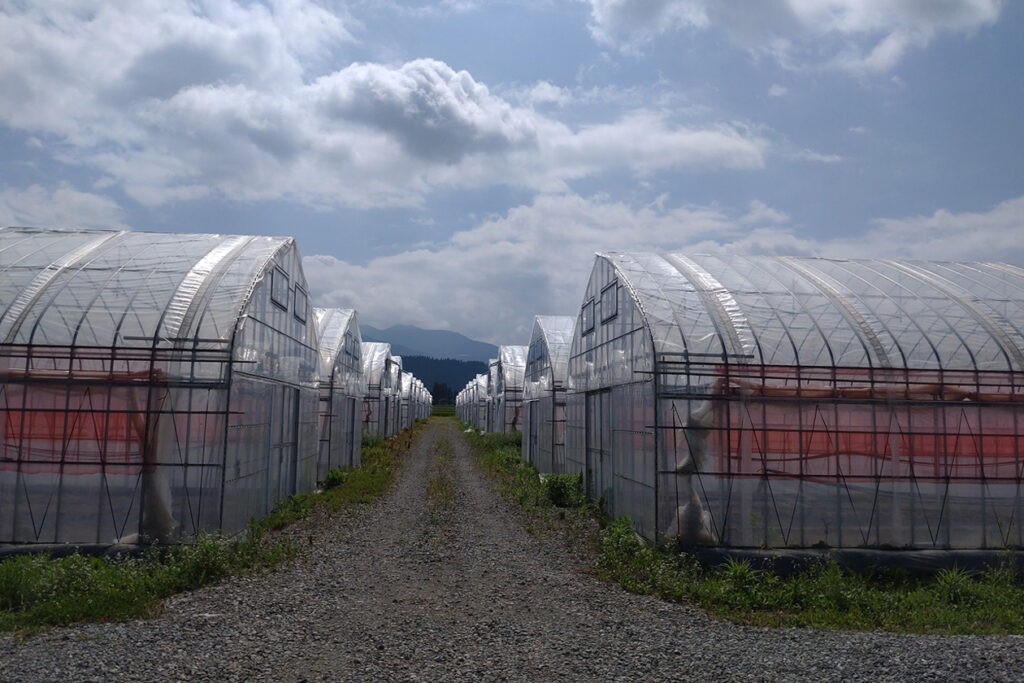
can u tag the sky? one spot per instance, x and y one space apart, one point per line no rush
456 164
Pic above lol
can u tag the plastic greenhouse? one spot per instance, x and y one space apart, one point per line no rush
394 412
342 387
546 375
791 403
491 421
427 401
463 403
481 402
408 401
376 374
506 389
420 400
153 384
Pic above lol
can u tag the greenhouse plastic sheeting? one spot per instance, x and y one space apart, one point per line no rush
794 402
544 384
482 402
376 362
507 392
342 388
153 384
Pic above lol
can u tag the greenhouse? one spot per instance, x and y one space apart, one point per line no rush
342 387
491 419
377 375
480 402
153 384
771 402
423 400
506 389
409 401
394 412
544 384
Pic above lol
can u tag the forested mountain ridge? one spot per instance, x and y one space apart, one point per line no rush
443 377
436 344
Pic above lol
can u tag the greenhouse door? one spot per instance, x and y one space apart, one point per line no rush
531 440
285 450
351 438
599 444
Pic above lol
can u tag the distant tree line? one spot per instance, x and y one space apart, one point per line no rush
440 375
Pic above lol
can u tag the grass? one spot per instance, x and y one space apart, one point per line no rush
442 410
440 492
545 502
39 591
380 460
824 595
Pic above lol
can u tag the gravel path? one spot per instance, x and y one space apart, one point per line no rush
394 592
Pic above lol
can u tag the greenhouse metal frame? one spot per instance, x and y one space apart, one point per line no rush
544 385
775 402
153 384
342 389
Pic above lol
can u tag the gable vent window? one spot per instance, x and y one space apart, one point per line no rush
610 301
587 317
279 287
301 302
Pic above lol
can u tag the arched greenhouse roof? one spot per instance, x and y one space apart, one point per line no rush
830 312
554 333
331 325
102 288
375 360
512 366
480 384
340 349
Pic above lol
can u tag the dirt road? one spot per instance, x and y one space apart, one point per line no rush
405 590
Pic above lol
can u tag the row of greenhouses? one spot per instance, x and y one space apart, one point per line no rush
153 385
776 402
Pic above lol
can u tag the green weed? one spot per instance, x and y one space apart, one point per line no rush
824 595
38 591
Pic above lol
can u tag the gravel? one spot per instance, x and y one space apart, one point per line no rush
389 592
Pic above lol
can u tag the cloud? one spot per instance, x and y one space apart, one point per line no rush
860 36
993 235
60 207
436 113
815 157
176 102
489 281
777 90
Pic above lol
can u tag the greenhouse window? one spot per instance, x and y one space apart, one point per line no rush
610 301
300 304
279 287
587 317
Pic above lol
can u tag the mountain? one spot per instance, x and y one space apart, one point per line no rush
407 340
444 378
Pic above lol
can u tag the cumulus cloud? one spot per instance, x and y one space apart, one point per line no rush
59 207
862 36
993 235
182 100
489 281
815 157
